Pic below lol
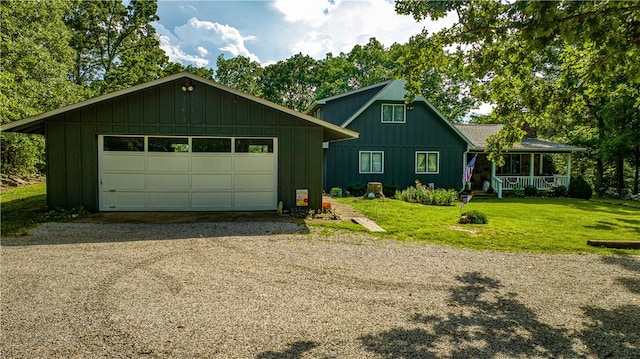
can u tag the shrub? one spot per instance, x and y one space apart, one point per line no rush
475 217
559 191
517 192
22 154
389 189
531 191
425 195
580 188
357 190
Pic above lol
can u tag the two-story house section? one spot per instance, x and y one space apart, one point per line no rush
399 143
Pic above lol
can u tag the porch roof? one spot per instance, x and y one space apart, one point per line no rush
478 135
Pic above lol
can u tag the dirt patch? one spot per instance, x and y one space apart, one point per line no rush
472 231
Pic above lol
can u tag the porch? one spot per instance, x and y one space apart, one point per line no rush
520 170
542 183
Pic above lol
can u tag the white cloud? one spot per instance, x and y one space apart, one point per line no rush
338 26
202 51
228 38
172 47
187 42
311 12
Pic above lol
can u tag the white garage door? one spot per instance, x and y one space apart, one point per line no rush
148 173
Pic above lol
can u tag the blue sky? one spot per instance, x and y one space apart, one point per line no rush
267 31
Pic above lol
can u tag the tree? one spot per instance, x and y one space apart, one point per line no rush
115 45
291 83
34 65
543 64
240 73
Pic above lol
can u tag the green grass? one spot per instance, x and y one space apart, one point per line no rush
541 225
22 207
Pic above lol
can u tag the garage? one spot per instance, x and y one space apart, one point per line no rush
181 143
142 173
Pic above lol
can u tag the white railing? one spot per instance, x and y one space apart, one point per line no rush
540 182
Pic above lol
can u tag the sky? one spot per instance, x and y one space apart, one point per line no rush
268 31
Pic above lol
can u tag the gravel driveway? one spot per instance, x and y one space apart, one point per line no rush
280 290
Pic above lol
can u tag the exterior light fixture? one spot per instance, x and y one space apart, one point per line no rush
187 86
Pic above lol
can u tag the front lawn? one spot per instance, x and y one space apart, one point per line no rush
546 225
22 207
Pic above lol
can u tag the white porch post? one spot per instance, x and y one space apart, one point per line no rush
541 160
496 186
532 167
568 169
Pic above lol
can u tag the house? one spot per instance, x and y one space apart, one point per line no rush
400 143
182 143
528 163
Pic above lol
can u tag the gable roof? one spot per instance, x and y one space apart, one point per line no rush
479 133
35 124
392 90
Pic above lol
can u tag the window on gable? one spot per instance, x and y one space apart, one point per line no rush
393 113
371 162
427 162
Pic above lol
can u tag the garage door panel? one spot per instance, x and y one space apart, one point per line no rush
212 164
175 162
126 162
171 181
123 181
213 182
257 181
221 200
182 181
255 200
123 200
260 162
168 200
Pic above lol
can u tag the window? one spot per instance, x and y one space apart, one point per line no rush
168 144
113 143
254 145
211 144
511 165
393 113
427 162
371 162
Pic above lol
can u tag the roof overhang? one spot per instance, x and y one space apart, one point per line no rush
35 124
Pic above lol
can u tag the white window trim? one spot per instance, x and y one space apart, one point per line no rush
426 154
393 113
371 163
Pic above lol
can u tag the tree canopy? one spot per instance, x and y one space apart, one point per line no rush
568 68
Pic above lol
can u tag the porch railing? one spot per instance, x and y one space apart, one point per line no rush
509 183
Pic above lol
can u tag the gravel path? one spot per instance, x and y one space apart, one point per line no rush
279 290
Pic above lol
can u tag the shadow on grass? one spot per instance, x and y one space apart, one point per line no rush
22 213
486 323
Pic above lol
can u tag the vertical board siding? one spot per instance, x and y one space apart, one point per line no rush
422 131
72 147
56 172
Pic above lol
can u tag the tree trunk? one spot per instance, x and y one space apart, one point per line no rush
635 177
599 165
620 173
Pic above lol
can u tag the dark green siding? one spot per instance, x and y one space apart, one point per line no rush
423 130
72 137
343 107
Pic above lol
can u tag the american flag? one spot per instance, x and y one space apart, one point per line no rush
468 171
